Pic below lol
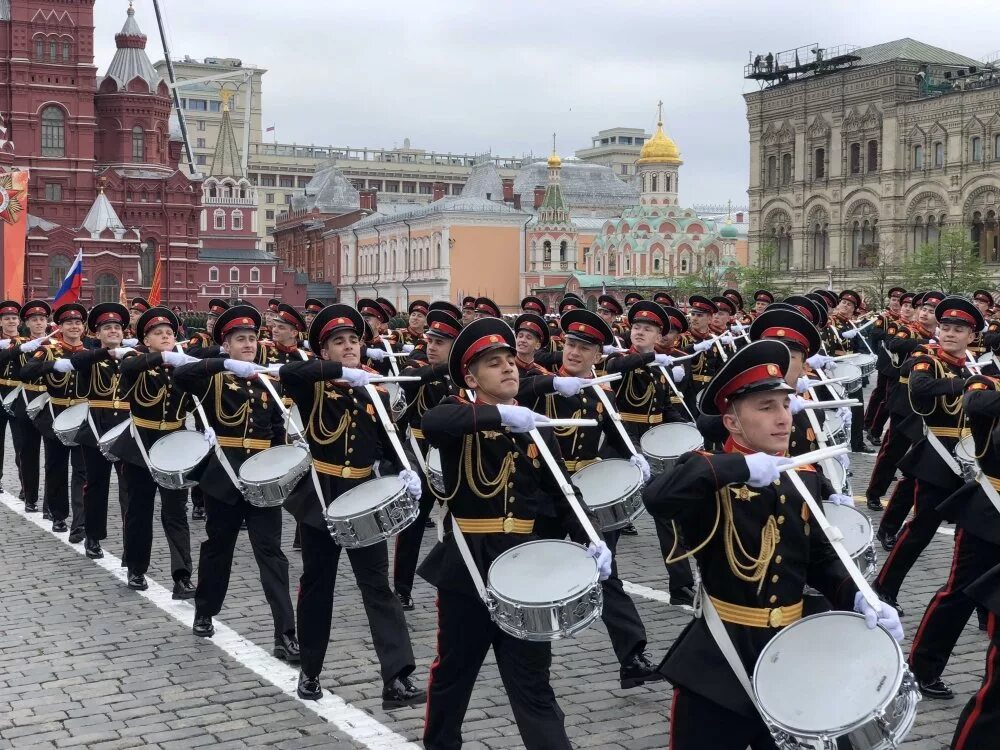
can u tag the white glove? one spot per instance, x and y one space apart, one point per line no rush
612 349
803 384
568 386
29 346
887 617
305 345
663 360
817 361
411 480
726 340
738 327
764 468
845 416
130 342
837 499
121 351
602 554
4 343
63 365
355 377
678 373
376 354
176 359
796 404
303 444
209 434
240 368
703 346
850 333
518 418
844 460
639 461
407 348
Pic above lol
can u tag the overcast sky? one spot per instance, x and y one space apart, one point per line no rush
469 75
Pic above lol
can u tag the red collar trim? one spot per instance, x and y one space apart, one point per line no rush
732 446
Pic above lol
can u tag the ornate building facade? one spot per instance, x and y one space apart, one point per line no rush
869 161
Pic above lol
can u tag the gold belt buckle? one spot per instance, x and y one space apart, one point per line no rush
346 473
116 403
508 525
163 425
776 618
246 442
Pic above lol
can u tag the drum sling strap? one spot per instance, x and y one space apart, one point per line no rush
939 448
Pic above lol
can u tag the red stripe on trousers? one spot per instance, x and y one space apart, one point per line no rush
899 540
981 693
945 590
673 713
435 663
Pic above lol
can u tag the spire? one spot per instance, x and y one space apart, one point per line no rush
130 60
226 161
102 216
554 161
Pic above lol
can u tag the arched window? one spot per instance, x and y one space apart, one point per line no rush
933 231
996 147
234 274
628 263
684 265
219 219
213 274
820 246
65 51
58 268
598 269
668 183
918 157
772 171
657 264
40 53
855 158
786 169
563 251
53 132
655 183
872 156
53 49
612 264
919 233
819 163
546 252
138 138
939 154
237 220
255 275
147 262
976 148
106 288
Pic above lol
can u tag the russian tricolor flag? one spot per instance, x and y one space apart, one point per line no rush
70 289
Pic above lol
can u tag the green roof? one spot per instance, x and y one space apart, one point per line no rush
911 49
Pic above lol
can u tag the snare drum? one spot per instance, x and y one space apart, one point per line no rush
175 456
11 398
836 473
965 455
435 475
665 443
544 590
293 423
107 441
850 371
859 537
35 406
834 432
70 421
269 476
371 512
834 653
612 490
864 362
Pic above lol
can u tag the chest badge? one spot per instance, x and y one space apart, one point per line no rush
743 493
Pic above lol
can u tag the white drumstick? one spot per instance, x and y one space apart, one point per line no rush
565 486
394 379
567 423
831 381
813 457
603 379
677 359
830 404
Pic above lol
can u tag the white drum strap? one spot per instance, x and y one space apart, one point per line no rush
936 444
463 548
416 452
725 644
142 448
219 453
93 427
52 412
989 489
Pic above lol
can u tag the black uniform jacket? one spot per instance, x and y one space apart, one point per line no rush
99 381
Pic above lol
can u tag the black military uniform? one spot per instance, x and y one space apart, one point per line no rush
707 363
838 326
347 441
877 413
414 337
8 384
679 324
936 384
535 325
158 408
375 318
203 339
496 507
753 568
62 390
246 421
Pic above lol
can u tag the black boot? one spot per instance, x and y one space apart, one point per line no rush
137 581
93 548
638 670
309 688
60 526
198 513
936 690
203 627
400 692
874 504
183 588
406 600
286 648
76 536
682 597
887 540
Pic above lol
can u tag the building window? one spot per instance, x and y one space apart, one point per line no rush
40 54
873 156
656 264
201 160
786 169
65 50
654 184
255 275
234 274
199 105
53 132
269 197
138 153
820 246
624 168
819 163
147 262
563 251
996 147
270 247
58 268
219 219
684 264
215 106
628 263
855 158
939 154
53 50
106 288
918 157
288 200
269 214
286 181
772 171
201 143
977 148
53 191
546 252
237 220
267 180
213 274
201 125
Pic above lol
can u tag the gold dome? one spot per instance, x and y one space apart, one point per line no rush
660 149
554 161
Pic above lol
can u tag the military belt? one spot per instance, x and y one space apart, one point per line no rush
342 472
758 617
495 525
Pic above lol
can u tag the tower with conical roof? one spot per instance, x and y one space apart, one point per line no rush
552 239
658 166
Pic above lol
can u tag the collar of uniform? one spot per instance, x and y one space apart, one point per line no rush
285 349
698 336
733 446
418 334
716 329
71 347
924 333
954 361
892 315
522 364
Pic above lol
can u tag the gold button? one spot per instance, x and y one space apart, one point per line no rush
509 485
781 498
350 450
353 436
773 599
781 520
777 560
774 579
776 618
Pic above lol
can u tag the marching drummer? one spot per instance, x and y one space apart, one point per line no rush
375 317
243 420
158 408
846 335
413 334
137 306
310 309
99 381
532 338
495 506
761 299
203 339
468 310
754 565
700 341
877 413
9 337
346 440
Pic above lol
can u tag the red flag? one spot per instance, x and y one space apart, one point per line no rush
154 287
122 295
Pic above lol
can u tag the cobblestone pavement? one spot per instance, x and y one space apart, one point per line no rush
85 662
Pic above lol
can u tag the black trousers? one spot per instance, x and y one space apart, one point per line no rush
890 453
215 563
877 411
4 419
979 722
857 421
899 507
97 489
139 523
697 723
951 607
320 558
28 443
404 561
58 493
465 634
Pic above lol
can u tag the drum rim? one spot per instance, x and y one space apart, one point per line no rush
359 514
832 731
12 395
560 602
648 451
871 527
597 464
305 458
68 410
121 430
177 472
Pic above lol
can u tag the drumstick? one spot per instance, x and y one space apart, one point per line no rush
676 359
281 405
566 487
615 417
392 361
863 339
567 423
603 379
813 457
388 426
830 404
394 379
830 381
673 387
972 364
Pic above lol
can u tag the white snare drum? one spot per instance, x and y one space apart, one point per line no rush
174 456
435 475
965 455
293 423
851 372
371 512
864 362
397 400
833 428
70 421
35 406
835 654
665 443
612 489
269 476
10 399
544 590
836 473
107 441
859 537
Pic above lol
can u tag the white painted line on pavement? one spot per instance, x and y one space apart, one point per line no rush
355 723
637 589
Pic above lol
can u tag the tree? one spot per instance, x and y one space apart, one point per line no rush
762 274
883 272
952 265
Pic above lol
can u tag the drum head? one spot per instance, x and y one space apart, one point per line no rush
543 571
71 417
365 497
966 448
272 463
179 451
114 433
295 418
434 460
846 370
853 524
607 480
835 473
673 439
12 396
827 672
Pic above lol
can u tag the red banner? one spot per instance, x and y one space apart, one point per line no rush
14 225
154 287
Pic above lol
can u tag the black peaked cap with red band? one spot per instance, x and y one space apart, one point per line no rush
288 314
762 295
476 339
140 304
272 304
609 303
372 308
486 306
829 297
896 291
533 323
698 303
390 309
725 304
932 297
217 306
419 305
10 307
333 319
534 304
647 311
678 321
313 305
588 327
959 311
443 324
907 297
236 318
632 297
69 311
811 308
758 367
662 298
35 307
983 295
821 305
571 303
735 296
107 312
445 306
851 296
791 327
468 303
155 316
